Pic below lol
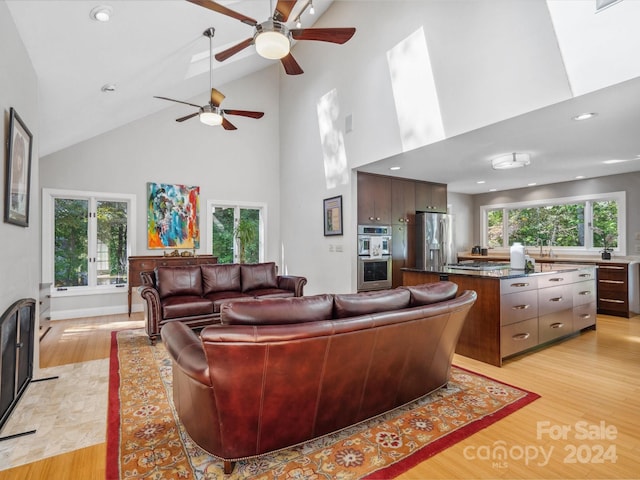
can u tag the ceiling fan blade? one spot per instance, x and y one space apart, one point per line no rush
216 97
187 117
244 113
227 125
223 55
179 101
283 10
291 66
216 7
334 35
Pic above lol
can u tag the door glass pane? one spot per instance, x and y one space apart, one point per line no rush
249 233
70 250
223 234
111 255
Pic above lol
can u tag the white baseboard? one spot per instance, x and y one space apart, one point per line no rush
94 312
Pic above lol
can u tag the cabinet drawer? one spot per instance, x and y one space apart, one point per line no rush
557 278
584 275
584 292
555 325
515 307
584 316
554 299
512 285
519 336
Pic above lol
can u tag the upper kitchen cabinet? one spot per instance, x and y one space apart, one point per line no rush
374 199
431 197
403 201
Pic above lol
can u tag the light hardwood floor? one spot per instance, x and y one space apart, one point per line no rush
588 383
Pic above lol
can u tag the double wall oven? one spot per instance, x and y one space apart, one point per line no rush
374 257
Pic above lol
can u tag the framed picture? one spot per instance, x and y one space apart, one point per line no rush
18 178
173 216
333 216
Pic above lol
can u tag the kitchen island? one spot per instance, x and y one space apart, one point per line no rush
517 311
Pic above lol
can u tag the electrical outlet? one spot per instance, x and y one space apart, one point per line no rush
638 236
331 248
338 248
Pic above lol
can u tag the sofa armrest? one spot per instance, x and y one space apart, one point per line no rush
148 278
187 352
292 283
152 311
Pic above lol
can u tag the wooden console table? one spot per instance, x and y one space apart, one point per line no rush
139 264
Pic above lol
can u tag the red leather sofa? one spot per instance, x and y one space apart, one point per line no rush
194 294
279 372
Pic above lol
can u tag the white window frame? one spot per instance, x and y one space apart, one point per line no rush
211 204
619 197
48 237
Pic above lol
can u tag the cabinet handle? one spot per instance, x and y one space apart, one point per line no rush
520 307
557 325
555 299
610 267
521 336
378 219
556 279
371 218
585 275
585 292
611 300
519 285
401 219
406 220
617 282
585 315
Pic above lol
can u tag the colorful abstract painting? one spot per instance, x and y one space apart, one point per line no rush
173 216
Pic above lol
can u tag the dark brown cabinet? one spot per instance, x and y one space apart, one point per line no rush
431 197
613 289
374 199
403 216
403 201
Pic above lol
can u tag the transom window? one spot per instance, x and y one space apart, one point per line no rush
586 223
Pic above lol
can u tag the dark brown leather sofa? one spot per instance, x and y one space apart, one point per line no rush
279 372
194 294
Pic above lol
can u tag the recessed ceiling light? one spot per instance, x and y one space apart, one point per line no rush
585 116
579 177
480 182
101 13
531 184
613 160
394 168
109 87
492 189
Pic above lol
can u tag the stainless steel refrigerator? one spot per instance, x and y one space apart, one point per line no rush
435 246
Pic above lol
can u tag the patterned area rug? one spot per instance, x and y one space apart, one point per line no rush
146 440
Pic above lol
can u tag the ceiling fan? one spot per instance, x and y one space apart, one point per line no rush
272 37
211 113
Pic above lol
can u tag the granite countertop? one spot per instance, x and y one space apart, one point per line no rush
501 273
560 258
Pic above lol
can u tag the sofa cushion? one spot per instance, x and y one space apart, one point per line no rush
352 304
220 298
271 293
178 306
278 311
258 275
220 278
428 293
183 280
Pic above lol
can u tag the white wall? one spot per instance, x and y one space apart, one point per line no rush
20 247
491 61
240 165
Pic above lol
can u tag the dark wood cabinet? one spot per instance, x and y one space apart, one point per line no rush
139 264
613 289
431 197
374 199
403 201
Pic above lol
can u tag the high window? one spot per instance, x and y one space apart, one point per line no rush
236 232
87 239
586 223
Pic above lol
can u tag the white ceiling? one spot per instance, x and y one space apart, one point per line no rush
147 48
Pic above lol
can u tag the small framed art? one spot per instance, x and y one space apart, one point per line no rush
18 178
333 216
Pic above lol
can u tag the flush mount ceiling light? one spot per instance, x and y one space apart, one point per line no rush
584 116
513 160
101 13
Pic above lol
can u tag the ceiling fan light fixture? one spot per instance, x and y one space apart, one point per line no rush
272 45
512 160
210 116
101 13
